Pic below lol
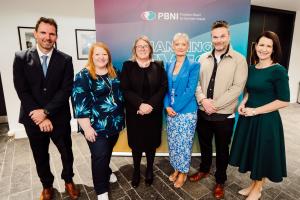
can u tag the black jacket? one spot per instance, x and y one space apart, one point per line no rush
36 91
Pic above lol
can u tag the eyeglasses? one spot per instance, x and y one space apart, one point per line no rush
142 46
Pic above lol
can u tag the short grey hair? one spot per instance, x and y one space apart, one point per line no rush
181 35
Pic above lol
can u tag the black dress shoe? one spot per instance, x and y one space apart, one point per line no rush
149 177
135 179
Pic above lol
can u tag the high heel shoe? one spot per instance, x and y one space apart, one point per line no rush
180 180
135 179
149 177
173 176
246 191
254 195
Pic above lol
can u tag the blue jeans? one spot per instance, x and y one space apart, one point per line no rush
101 151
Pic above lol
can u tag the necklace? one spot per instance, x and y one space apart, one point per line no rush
143 64
110 87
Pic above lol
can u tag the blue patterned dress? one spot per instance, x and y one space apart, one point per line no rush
99 100
181 127
181 130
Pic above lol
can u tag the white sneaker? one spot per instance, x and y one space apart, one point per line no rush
113 178
103 196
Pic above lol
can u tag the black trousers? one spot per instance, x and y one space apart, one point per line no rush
101 151
137 156
222 131
39 143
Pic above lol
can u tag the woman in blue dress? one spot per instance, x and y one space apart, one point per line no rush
181 106
98 107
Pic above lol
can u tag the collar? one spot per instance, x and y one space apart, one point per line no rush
228 54
41 53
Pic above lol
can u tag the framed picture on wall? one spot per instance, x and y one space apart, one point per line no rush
26 37
84 39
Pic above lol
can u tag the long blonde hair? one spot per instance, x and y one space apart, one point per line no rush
91 66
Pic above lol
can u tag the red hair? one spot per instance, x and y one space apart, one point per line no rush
91 66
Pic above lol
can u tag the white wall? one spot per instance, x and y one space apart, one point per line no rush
294 67
24 15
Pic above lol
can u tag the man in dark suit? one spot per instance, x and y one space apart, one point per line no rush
43 79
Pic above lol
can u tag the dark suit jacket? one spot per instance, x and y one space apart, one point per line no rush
36 91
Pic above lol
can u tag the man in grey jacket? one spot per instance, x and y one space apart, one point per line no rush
222 79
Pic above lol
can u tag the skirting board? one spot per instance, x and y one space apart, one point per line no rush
157 154
3 119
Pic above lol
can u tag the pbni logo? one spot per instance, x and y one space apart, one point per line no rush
148 15
161 16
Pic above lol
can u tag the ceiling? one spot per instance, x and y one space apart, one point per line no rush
292 5
85 8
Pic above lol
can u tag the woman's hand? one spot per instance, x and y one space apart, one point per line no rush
145 109
241 108
170 111
248 112
90 134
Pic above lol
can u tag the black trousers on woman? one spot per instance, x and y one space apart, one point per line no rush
101 151
137 156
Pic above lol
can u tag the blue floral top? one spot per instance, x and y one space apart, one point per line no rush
100 100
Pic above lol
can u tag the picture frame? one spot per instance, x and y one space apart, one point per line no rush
26 37
84 39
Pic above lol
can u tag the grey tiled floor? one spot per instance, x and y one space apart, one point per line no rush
18 178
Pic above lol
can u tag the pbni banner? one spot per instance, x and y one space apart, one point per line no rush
120 22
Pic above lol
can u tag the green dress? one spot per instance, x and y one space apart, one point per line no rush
258 143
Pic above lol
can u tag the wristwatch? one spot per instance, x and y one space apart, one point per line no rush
46 112
253 112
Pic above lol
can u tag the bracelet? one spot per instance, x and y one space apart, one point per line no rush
253 112
46 112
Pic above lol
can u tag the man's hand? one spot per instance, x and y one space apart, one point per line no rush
37 116
170 111
208 106
46 126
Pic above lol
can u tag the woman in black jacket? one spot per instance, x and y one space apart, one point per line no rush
144 85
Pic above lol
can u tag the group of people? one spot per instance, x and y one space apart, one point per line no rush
200 96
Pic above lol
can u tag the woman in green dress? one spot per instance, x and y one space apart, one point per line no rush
258 144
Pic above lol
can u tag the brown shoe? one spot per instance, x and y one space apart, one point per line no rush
47 194
198 176
73 192
219 191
